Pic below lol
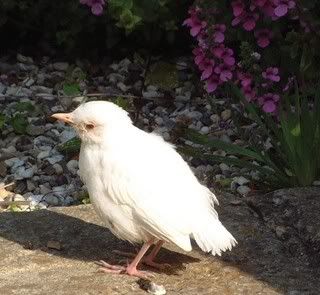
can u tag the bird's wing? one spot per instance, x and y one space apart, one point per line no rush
161 189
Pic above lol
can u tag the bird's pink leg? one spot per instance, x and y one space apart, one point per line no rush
131 269
149 259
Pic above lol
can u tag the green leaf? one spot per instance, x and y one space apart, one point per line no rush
122 102
19 123
72 146
24 106
71 89
196 137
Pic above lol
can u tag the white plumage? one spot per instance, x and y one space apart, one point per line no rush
140 186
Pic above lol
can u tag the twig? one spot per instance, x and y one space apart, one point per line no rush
6 185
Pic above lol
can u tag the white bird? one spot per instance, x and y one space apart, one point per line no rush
141 187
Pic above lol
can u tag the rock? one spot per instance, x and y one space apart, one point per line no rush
51 199
23 172
226 115
66 135
73 166
30 185
123 87
43 155
55 159
224 167
58 168
243 190
14 163
41 89
44 189
316 183
24 59
60 66
240 180
29 82
35 130
204 130
159 121
156 289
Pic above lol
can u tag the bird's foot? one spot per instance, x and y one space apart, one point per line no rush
145 260
118 269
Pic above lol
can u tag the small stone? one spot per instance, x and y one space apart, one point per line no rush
316 183
22 173
60 66
67 135
29 82
240 180
44 189
204 130
73 166
58 168
243 190
35 130
123 87
54 245
224 167
43 155
14 163
226 115
41 89
156 289
166 136
159 121
30 186
55 159
24 59
52 200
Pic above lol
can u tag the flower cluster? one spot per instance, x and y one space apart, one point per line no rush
214 60
96 5
217 62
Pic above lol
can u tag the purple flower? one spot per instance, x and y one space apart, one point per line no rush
245 79
218 34
247 19
224 72
282 7
263 37
269 102
237 7
199 55
249 93
212 83
224 53
96 5
271 74
194 23
206 66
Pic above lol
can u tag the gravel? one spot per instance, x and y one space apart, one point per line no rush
45 175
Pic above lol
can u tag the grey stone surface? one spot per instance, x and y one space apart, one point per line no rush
29 264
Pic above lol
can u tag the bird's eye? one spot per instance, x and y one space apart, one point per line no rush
89 126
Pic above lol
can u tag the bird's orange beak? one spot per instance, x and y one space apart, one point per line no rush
64 117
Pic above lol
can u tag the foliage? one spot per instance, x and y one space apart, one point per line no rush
258 44
70 25
294 158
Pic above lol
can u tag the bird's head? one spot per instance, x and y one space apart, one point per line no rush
94 120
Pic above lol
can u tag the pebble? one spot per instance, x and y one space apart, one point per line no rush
23 172
73 166
55 159
159 121
224 167
226 115
156 289
204 130
43 155
58 168
51 199
243 190
60 66
14 162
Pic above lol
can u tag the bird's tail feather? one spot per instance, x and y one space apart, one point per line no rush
214 237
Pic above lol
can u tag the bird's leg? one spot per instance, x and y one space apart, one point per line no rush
149 259
131 269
